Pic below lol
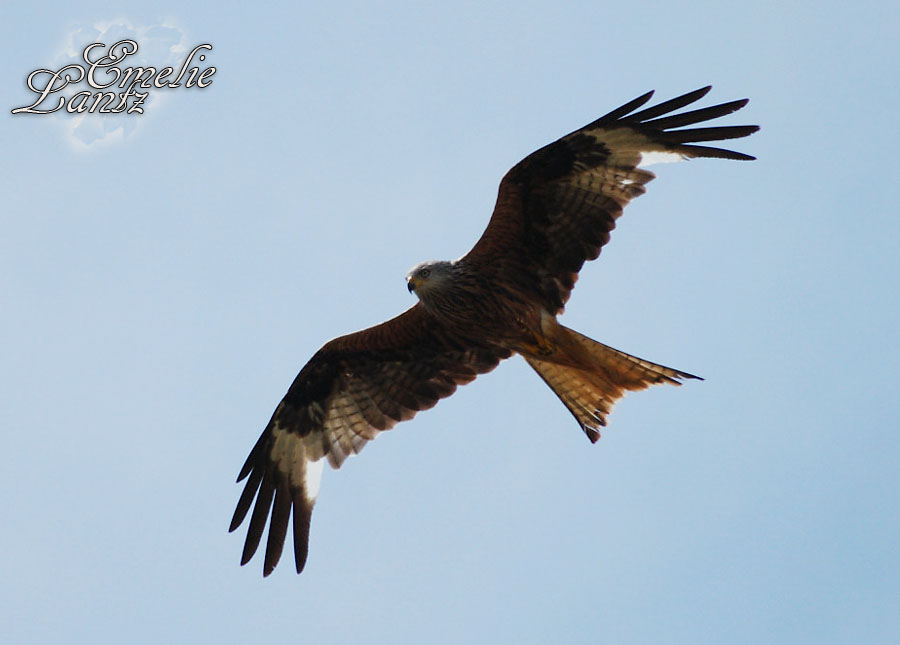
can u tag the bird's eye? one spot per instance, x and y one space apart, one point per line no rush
425 273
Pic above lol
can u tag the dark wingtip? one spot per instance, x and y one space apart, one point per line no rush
301 518
659 122
668 106
245 557
254 457
696 95
234 523
713 153
623 110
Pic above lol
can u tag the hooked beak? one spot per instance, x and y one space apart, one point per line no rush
410 284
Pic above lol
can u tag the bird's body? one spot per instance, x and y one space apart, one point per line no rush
554 211
460 297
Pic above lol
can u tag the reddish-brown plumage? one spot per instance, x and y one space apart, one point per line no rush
555 210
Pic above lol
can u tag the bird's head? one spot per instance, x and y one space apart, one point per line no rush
427 277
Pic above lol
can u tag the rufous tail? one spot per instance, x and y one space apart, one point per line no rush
589 377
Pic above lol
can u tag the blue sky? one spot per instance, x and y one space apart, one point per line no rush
164 281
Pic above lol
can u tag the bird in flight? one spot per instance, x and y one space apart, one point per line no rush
554 211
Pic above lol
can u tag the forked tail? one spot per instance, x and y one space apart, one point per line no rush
589 377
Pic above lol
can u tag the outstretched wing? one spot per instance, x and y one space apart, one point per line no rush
556 207
353 388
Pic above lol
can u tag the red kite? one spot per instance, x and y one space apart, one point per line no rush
554 211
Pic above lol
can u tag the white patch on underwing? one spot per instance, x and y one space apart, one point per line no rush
660 156
312 479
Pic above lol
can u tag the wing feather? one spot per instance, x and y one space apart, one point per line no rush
352 389
662 108
694 116
557 207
